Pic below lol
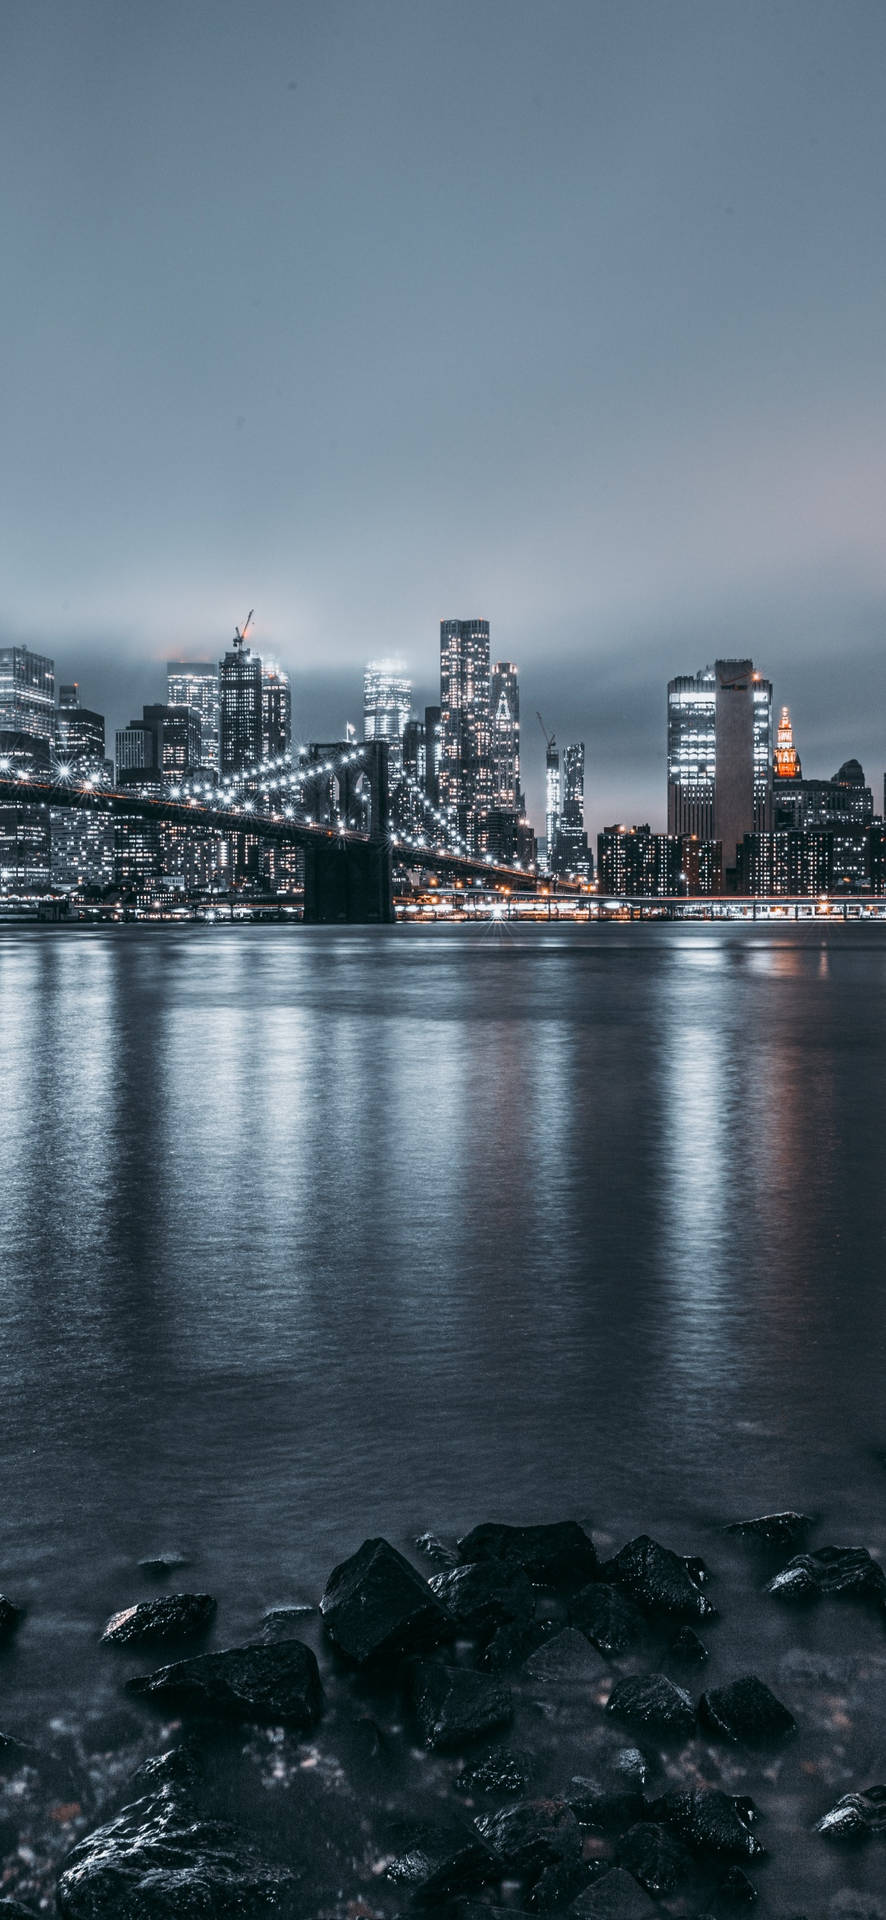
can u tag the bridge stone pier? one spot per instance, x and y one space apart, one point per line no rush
347 882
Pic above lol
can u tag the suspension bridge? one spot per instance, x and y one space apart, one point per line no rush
334 803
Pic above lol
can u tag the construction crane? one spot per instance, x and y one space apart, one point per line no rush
241 632
551 739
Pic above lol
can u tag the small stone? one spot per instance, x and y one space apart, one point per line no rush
454 1705
829 1570
611 1799
511 1644
746 1709
686 1646
444 1868
652 1700
659 1580
532 1836
484 1594
160 1564
787 1529
654 1857
565 1658
607 1616
561 1882
856 1816
560 1554
617 1896
11 1617
271 1686
498 1772
736 1886
177 1616
710 1822
377 1606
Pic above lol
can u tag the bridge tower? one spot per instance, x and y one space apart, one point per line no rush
349 883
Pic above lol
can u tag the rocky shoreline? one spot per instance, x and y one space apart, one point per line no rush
513 1722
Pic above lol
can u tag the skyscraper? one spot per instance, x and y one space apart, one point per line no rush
504 714
787 759
571 841
80 735
194 683
465 771
387 701
276 696
240 708
720 755
178 739
27 693
553 799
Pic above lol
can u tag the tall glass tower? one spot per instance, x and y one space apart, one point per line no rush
504 714
465 764
387 703
194 683
720 751
240 708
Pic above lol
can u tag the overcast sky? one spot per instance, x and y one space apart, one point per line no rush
369 312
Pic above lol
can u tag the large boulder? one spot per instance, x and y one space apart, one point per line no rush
376 1606
555 1555
746 1710
618 1896
532 1836
709 1821
607 1616
655 1857
174 1616
269 1685
159 1860
660 1581
788 1529
485 1593
454 1705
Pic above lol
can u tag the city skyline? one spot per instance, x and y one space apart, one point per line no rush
655 437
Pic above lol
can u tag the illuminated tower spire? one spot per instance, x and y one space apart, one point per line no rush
787 759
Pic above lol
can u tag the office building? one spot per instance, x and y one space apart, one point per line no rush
570 852
276 696
720 752
178 739
387 702
465 768
80 737
134 749
433 753
504 716
27 693
24 830
842 803
634 861
241 716
194 683
552 800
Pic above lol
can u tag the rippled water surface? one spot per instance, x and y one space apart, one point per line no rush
306 1235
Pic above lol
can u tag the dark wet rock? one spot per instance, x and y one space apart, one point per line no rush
605 1802
443 1866
746 1709
562 1882
856 1816
736 1886
498 1772
454 1705
607 1616
660 1581
710 1822
441 1553
830 1570
512 1643
158 1858
652 1700
178 1767
532 1836
280 1623
11 1617
566 1658
160 1564
269 1685
560 1554
655 1857
377 1606
687 1647
787 1529
617 1896
484 1594
176 1616
13 1910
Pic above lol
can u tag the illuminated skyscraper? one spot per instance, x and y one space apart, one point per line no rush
787 759
241 717
387 701
720 755
570 853
276 711
27 693
553 797
194 683
465 767
504 713
80 736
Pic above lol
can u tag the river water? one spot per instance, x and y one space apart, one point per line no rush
310 1234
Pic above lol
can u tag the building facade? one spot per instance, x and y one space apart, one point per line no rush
720 754
387 703
465 766
27 693
504 735
194 683
276 695
241 718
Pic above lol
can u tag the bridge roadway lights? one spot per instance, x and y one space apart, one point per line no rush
348 884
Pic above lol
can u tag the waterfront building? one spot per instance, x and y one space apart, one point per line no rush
552 801
720 753
241 717
843 802
27 693
787 861
276 694
387 702
504 716
634 860
25 848
194 683
570 853
701 870
465 776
